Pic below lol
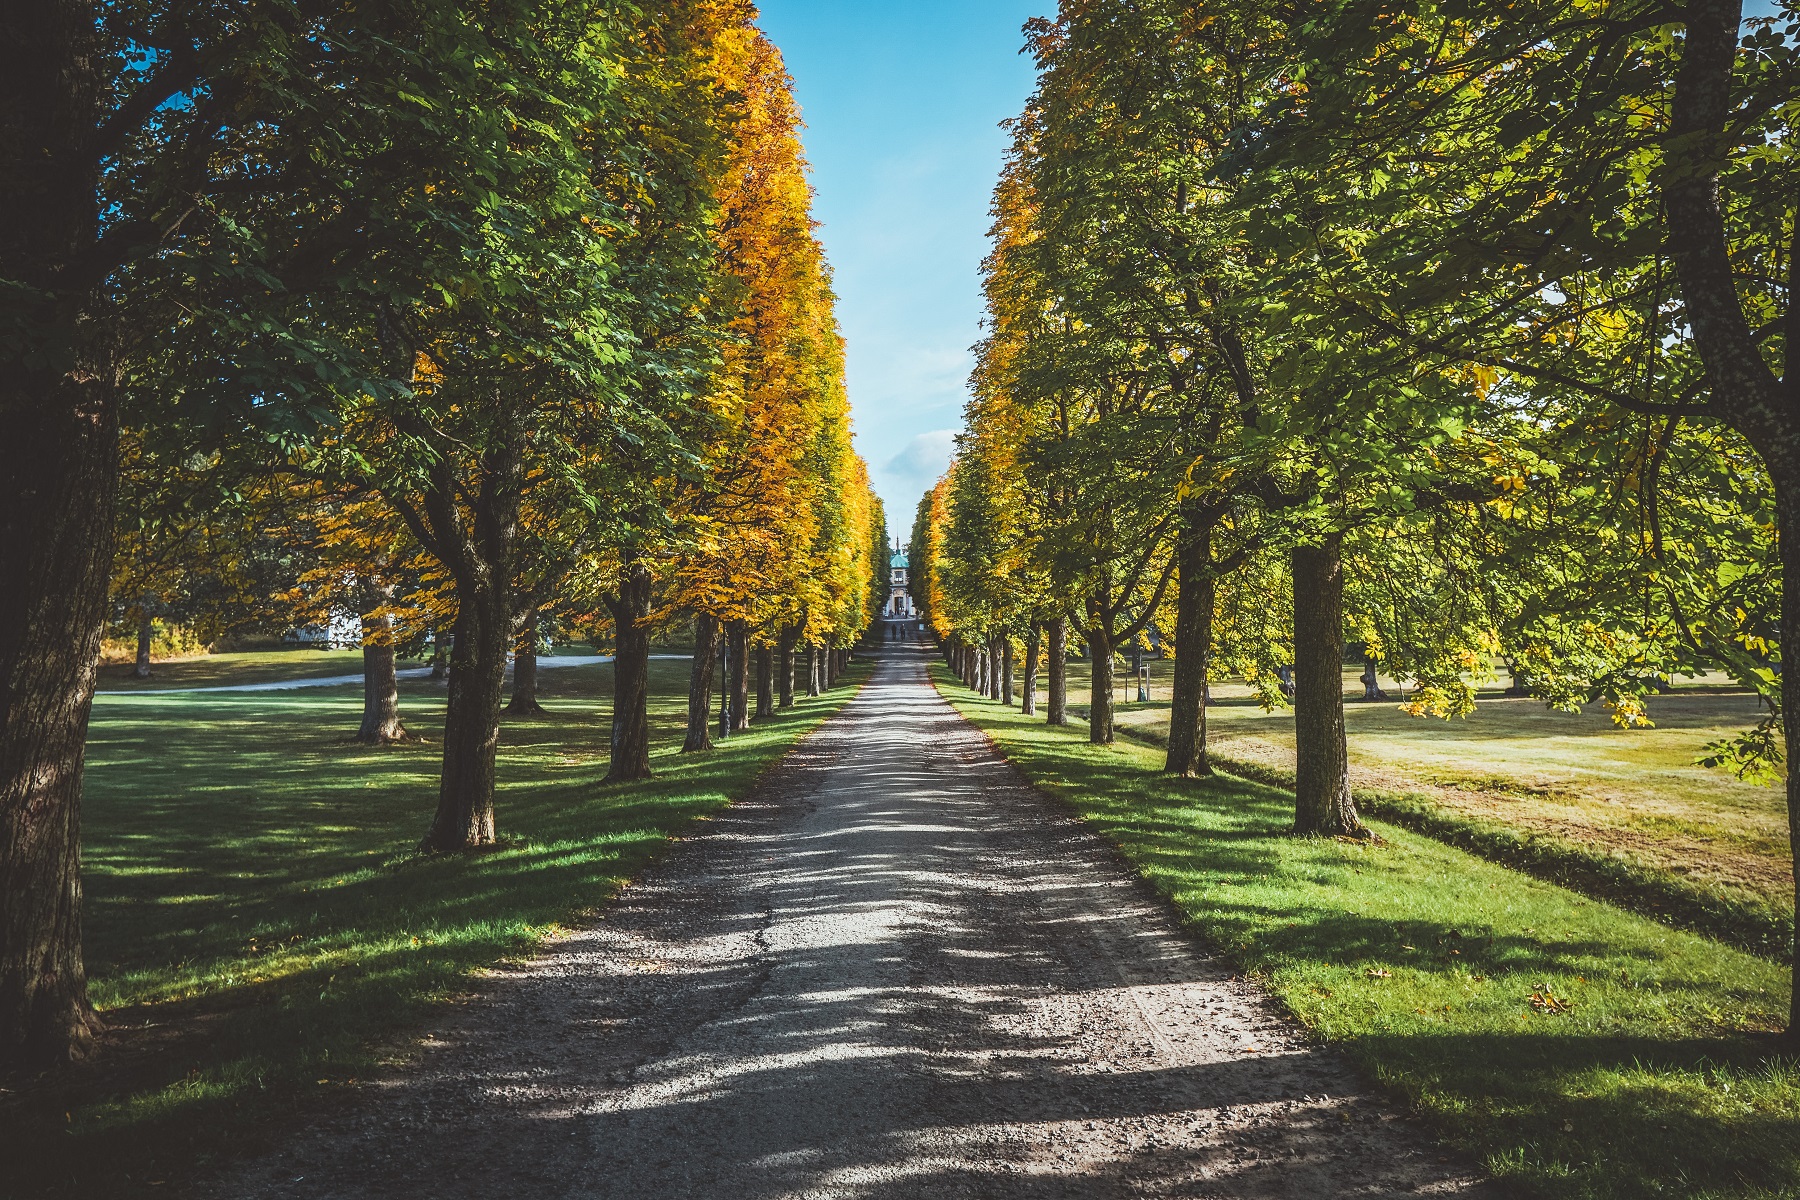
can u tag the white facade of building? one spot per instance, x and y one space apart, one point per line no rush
900 602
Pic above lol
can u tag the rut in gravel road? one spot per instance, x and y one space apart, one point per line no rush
894 971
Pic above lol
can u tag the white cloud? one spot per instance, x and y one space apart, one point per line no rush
925 457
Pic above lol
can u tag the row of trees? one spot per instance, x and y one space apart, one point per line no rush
458 319
1459 331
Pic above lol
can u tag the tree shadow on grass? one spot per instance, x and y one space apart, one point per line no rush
1430 967
256 914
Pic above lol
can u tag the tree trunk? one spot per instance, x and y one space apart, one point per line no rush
465 812
725 686
1371 681
1745 392
440 653
631 677
1056 656
1193 650
1006 670
525 685
1788 510
1100 702
765 682
738 639
700 684
58 483
1322 802
784 670
146 634
381 688
815 669
1028 684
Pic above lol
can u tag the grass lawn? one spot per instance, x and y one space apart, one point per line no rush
221 670
1629 801
260 931
1578 1050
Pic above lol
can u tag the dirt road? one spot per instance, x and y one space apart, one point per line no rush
894 972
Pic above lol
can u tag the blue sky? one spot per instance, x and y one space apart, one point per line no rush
902 101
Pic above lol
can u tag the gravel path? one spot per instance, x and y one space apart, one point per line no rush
893 972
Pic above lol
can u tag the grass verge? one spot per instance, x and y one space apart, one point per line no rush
1594 805
260 931
1730 915
1576 1049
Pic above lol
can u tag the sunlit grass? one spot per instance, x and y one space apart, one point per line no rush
1639 1069
1622 812
258 921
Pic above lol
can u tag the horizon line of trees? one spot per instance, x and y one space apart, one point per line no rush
471 320
1455 334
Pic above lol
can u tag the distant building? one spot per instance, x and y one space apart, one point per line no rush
900 615
343 631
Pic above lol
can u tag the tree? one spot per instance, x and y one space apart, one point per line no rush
1601 219
363 562
124 127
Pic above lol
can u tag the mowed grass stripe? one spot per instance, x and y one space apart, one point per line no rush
1577 1049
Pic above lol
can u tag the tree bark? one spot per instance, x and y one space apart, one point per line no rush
1193 651
1745 392
1100 701
1322 802
631 676
478 551
765 682
465 813
814 671
58 484
381 723
784 670
1788 510
725 686
524 700
440 653
1034 641
146 634
700 684
1006 670
1056 658
1371 681
738 639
